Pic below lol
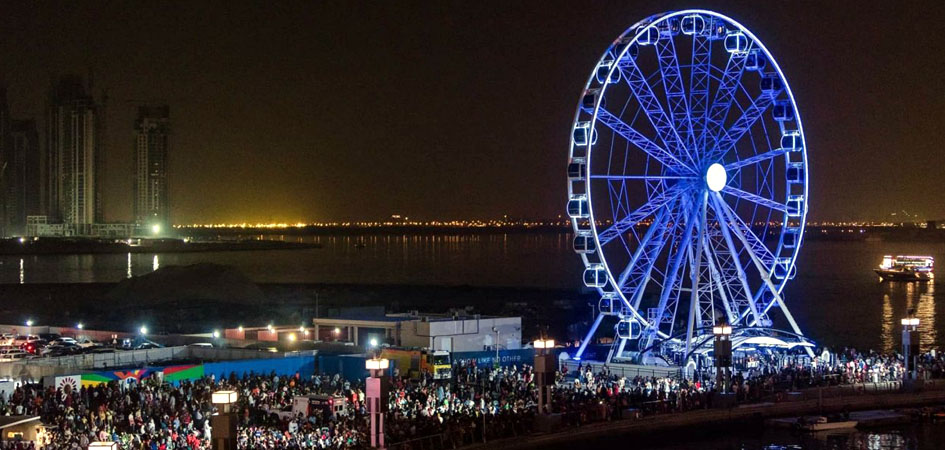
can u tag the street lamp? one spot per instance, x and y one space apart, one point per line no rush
544 372
723 354
29 322
542 344
224 424
377 391
374 365
143 330
79 325
910 344
216 334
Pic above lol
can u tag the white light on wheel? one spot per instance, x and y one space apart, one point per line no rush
716 177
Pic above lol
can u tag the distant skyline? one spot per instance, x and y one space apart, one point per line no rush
334 111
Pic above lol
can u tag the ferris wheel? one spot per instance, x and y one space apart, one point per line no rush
687 182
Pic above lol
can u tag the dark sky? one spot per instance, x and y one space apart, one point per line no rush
287 111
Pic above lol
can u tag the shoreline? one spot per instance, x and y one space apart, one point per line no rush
90 246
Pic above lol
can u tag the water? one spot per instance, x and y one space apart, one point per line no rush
835 297
919 436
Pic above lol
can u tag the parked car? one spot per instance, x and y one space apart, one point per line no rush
34 347
86 343
7 339
23 339
63 340
49 336
10 354
63 349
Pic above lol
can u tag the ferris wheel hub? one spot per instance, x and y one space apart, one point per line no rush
716 177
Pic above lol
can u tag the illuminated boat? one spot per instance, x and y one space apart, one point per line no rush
906 268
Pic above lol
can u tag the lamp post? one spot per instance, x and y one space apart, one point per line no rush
723 355
544 373
496 362
910 344
224 422
378 389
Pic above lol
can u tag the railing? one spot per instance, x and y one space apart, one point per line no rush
626 370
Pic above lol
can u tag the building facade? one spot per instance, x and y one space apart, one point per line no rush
22 178
74 153
151 200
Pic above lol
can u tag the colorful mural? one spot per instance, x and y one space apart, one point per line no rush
176 374
97 378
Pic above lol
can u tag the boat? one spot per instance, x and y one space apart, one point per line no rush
822 424
905 268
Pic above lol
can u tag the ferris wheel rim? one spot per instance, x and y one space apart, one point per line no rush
639 29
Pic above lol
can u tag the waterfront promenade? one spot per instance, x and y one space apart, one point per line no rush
812 401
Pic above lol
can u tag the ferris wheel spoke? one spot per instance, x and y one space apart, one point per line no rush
728 139
754 198
695 271
753 244
675 94
674 264
646 210
761 157
651 106
734 254
641 177
721 284
699 86
724 96
620 127
636 274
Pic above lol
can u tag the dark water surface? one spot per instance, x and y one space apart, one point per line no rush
835 297
920 436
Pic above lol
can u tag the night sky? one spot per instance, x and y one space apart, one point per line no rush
289 111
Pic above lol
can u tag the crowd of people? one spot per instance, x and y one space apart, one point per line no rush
479 404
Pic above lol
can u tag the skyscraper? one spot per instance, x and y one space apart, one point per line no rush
4 156
151 142
21 178
73 154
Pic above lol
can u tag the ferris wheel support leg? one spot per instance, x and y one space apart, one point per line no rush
765 276
694 271
742 278
730 314
673 269
589 336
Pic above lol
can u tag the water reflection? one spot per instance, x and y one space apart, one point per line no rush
22 272
129 273
889 325
925 311
915 296
156 264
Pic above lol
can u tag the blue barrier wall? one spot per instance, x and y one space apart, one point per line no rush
487 359
350 367
303 365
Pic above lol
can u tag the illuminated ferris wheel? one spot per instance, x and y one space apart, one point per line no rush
687 183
